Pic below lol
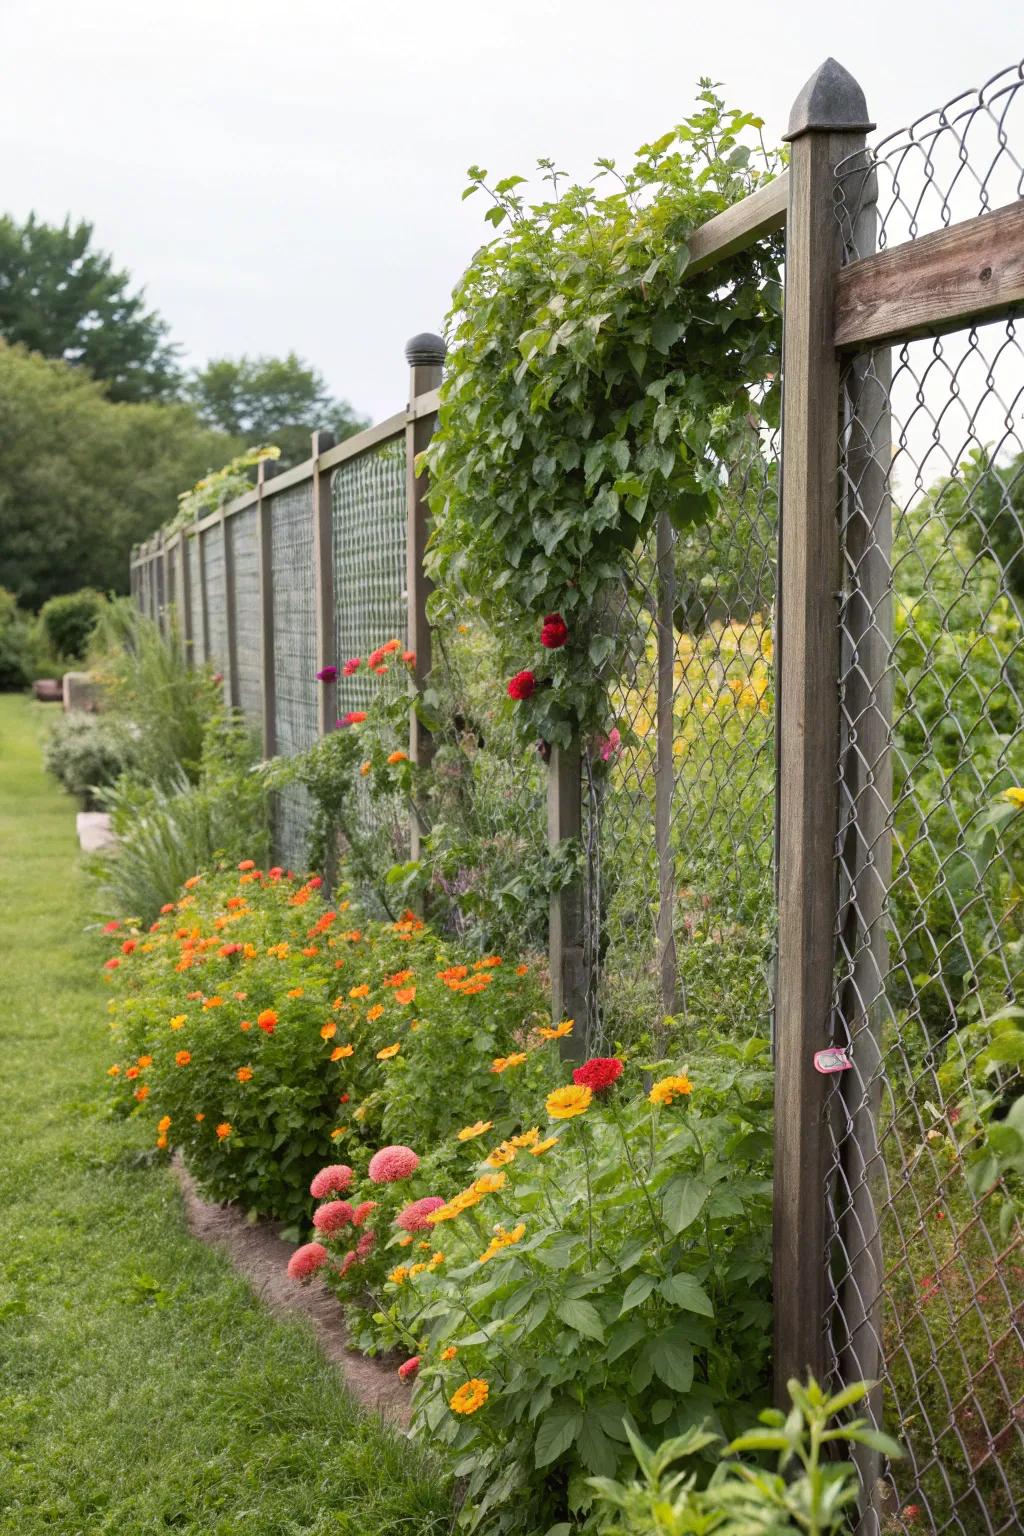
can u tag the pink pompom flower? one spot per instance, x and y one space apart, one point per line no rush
392 1163
363 1210
365 1244
414 1217
409 1368
333 1216
335 1179
305 1261
352 665
346 1264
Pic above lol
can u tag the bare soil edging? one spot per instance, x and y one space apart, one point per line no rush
261 1256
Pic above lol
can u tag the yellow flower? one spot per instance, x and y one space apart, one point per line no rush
328 1030
525 1138
400 1275
449 1353
470 1396
1014 796
417 1269
338 1132
558 1032
374 1013
668 1089
179 1021
506 1153
360 991
469 1131
489 1183
544 1146
566 1102
503 1239
502 1063
389 1051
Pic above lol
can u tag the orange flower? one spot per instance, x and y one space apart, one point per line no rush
328 1030
374 1013
247 864
179 1021
183 1058
163 1124
244 1074
200 1116
192 881
245 1026
161 1142
144 1062
114 1071
267 1019
469 1131
309 951
142 1093
558 1032
449 1353
488 963
406 995
398 979
295 992
250 951
360 991
389 1051
364 768
502 1063
544 1146
453 973
340 1052
506 1153
522 970
132 1072
224 1130
213 1002
398 757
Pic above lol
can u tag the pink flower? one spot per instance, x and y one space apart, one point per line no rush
522 685
112 926
352 665
335 1179
409 1368
346 1264
610 746
333 1216
361 1212
554 632
365 1244
414 1217
305 1261
391 1164
327 674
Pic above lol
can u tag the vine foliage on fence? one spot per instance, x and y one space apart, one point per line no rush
589 386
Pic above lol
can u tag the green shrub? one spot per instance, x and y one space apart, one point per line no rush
808 1493
67 623
15 644
87 754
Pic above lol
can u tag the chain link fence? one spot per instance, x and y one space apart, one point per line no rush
927 1126
296 724
243 531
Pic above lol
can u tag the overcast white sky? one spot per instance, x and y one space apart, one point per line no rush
287 175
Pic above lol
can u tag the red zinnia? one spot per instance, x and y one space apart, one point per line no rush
522 685
352 665
554 632
409 1368
598 1073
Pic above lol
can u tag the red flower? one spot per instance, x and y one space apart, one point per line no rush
911 1513
111 965
112 926
554 632
354 717
352 665
409 1368
128 946
522 685
598 1073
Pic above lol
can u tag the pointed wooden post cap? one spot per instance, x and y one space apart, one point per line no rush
831 101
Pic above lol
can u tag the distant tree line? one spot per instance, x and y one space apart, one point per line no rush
100 425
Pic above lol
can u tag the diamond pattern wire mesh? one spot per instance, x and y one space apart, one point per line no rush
292 566
694 704
193 555
216 588
243 531
927 1252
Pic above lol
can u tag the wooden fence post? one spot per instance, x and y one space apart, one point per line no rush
425 355
828 122
323 562
204 606
185 606
231 686
264 471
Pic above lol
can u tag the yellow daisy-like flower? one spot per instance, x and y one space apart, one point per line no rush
556 1032
503 1239
374 1013
469 1131
179 1021
341 1051
668 1089
544 1146
470 1396
417 1269
506 1153
1014 796
389 1051
449 1353
114 1071
400 1275
565 1103
489 1183
525 1138
360 991
502 1063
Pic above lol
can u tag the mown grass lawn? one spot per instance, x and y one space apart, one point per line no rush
142 1388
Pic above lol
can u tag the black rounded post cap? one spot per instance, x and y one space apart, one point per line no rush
425 351
831 101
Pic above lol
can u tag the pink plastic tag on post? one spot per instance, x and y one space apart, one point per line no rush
832 1060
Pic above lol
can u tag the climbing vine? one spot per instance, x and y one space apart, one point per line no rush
590 385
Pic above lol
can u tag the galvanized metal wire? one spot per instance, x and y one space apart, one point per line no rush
243 531
369 513
216 590
926 1259
193 554
296 721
